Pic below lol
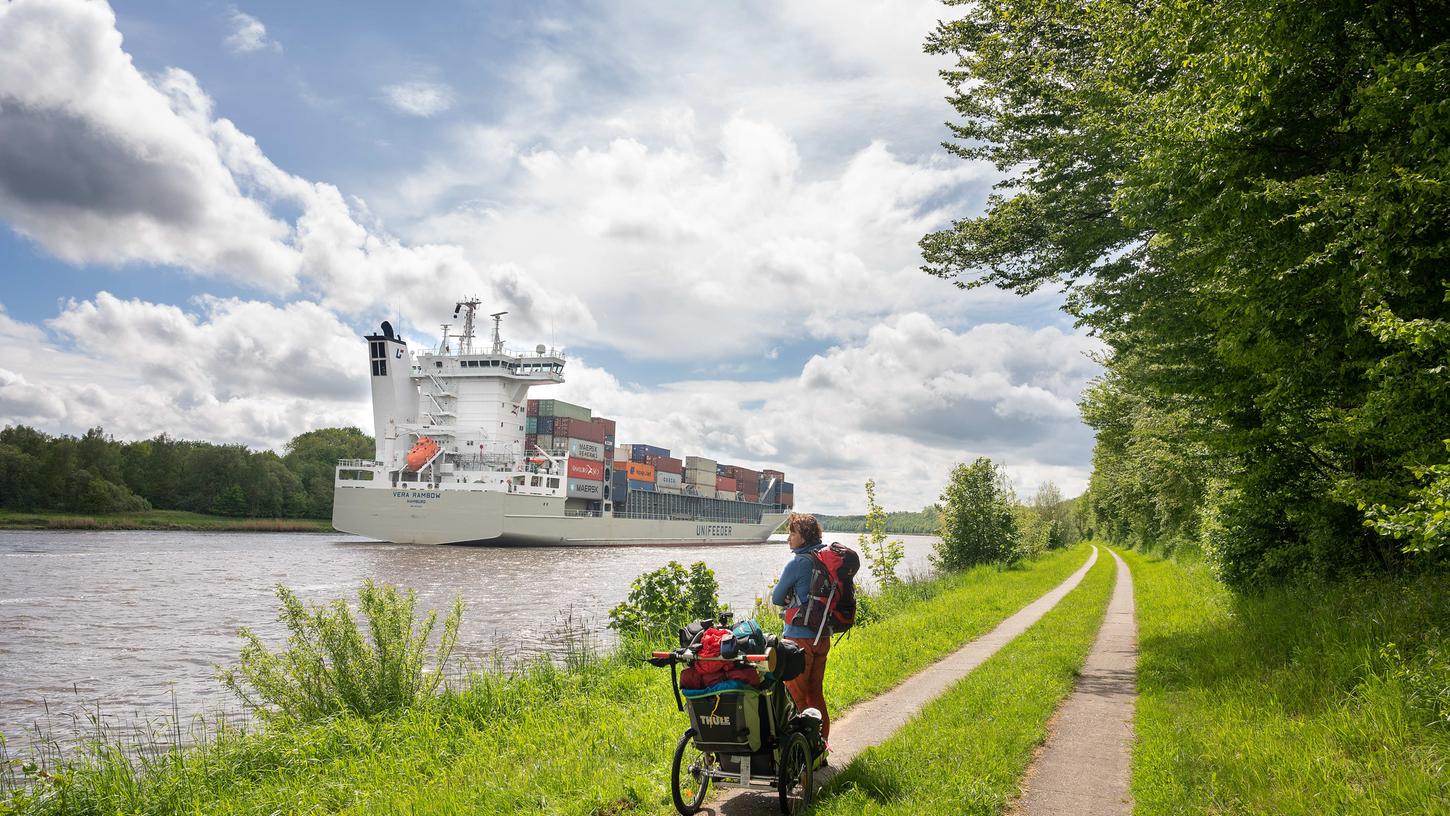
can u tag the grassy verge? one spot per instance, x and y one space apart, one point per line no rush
157 520
593 739
1328 699
966 751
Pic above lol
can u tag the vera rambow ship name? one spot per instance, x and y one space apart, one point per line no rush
463 456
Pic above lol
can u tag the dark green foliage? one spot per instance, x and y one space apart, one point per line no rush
904 522
96 474
661 601
978 525
334 664
1248 202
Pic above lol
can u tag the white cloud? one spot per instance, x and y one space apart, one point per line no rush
233 371
101 164
901 406
248 34
419 98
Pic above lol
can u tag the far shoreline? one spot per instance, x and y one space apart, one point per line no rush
158 520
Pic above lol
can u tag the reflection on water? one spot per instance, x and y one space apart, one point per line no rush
127 619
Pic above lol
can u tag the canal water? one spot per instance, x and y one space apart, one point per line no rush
134 623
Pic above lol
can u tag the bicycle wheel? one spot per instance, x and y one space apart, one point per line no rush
796 778
688 782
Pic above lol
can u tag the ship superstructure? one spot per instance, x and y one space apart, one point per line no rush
459 458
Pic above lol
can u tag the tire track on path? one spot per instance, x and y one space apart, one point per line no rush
873 721
1084 766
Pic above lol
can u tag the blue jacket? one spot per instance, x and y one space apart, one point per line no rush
795 585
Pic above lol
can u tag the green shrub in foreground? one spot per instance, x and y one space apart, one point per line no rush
661 601
330 666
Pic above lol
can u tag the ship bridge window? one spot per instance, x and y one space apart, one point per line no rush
553 483
439 364
535 481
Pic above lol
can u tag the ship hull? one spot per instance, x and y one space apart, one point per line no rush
493 518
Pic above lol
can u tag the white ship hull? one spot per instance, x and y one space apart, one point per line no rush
494 518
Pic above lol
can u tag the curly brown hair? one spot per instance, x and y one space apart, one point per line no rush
807 526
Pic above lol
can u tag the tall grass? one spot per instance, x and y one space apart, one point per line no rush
1311 700
333 664
592 737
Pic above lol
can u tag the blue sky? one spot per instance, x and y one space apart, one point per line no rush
713 207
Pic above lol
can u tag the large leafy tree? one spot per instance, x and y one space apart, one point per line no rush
1247 200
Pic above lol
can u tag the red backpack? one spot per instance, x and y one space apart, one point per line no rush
831 607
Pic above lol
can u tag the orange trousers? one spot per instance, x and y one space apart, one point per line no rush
806 690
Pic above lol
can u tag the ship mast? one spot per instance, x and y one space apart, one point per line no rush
469 308
497 339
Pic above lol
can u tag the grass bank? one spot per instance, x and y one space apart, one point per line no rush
1313 700
157 520
966 751
592 739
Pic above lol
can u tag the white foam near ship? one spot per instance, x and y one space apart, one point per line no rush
452 465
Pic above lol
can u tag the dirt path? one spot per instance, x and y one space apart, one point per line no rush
1083 768
874 721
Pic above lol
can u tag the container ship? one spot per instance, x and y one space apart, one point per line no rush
463 456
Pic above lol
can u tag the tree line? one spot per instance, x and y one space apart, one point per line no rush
97 474
1248 203
905 522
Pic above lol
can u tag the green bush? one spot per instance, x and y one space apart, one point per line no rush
332 666
977 523
661 601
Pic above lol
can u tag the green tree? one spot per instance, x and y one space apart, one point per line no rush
661 601
231 501
977 522
1247 201
313 457
882 556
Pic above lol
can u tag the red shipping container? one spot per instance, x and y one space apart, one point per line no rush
586 469
668 464
750 497
532 409
725 483
566 428
530 440
607 425
765 474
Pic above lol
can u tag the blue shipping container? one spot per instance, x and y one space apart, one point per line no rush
647 450
634 485
545 425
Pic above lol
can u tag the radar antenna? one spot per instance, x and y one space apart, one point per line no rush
497 339
469 308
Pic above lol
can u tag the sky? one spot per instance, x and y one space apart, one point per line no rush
713 207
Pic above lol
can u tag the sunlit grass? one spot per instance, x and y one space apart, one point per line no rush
965 752
1317 700
593 738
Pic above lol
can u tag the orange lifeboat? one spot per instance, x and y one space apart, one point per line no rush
423 450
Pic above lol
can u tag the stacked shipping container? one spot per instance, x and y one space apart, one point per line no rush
572 431
599 469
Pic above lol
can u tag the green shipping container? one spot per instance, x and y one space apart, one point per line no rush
560 408
531 424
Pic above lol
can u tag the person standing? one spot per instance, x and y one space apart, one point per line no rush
793 591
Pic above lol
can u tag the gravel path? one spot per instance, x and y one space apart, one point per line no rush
874 721
1083 768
